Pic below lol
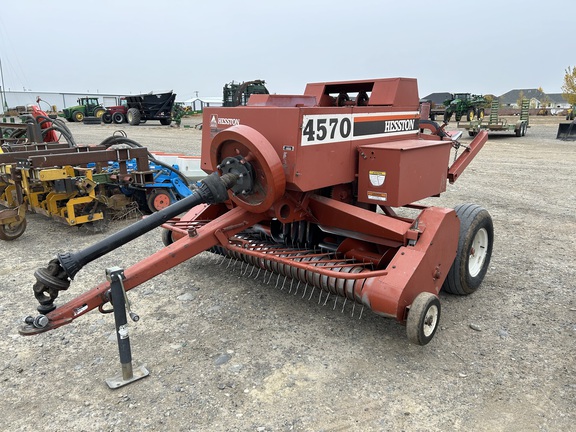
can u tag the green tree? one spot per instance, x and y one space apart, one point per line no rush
569 86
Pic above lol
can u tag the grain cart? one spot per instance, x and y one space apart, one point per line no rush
308 191
140 108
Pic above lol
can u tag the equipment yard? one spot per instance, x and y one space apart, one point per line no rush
227 350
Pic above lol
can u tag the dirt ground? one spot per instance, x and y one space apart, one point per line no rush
231 353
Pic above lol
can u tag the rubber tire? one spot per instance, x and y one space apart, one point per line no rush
459 280
99 112
118 118
524 129
77 116
167 239
133 116
480 114
423 318
12 233
472 133
107 118
163 198
518 132
471 114
165 121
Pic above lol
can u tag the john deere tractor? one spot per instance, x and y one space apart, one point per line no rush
465 104
87 107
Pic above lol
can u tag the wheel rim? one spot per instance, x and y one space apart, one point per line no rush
430 321
161 201
478 252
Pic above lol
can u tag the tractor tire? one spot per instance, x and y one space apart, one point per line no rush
447 117
165 121
99 112
474 250
471 115
107 118
133 116
78 116
480 113
472 133
118 118
423 318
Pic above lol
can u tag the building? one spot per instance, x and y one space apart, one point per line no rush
49 99
199 103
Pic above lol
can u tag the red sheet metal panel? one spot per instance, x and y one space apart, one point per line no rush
402 172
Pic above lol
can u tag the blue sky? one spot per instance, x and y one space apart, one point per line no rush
195 46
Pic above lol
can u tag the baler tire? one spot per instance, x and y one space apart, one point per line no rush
11 232
118 118
167 238
474 250
107 118
423 318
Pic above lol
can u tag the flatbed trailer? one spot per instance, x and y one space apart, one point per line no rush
497 124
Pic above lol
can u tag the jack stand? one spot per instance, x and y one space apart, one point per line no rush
115 275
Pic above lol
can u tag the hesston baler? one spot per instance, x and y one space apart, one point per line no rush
307 190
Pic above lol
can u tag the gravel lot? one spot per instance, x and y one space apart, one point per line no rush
230 353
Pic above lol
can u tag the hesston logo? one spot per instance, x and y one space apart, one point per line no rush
215 121
399 125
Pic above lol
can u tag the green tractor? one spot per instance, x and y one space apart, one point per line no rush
465 104
87 107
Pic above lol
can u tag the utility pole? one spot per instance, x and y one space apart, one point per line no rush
2 89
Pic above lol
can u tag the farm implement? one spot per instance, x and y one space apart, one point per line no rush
81 185
309 191
497 124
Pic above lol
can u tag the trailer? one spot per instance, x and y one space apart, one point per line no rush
497 124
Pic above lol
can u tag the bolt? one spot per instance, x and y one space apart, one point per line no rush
39 322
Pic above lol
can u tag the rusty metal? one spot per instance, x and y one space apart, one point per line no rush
320 180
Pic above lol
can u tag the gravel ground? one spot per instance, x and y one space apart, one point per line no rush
227 352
